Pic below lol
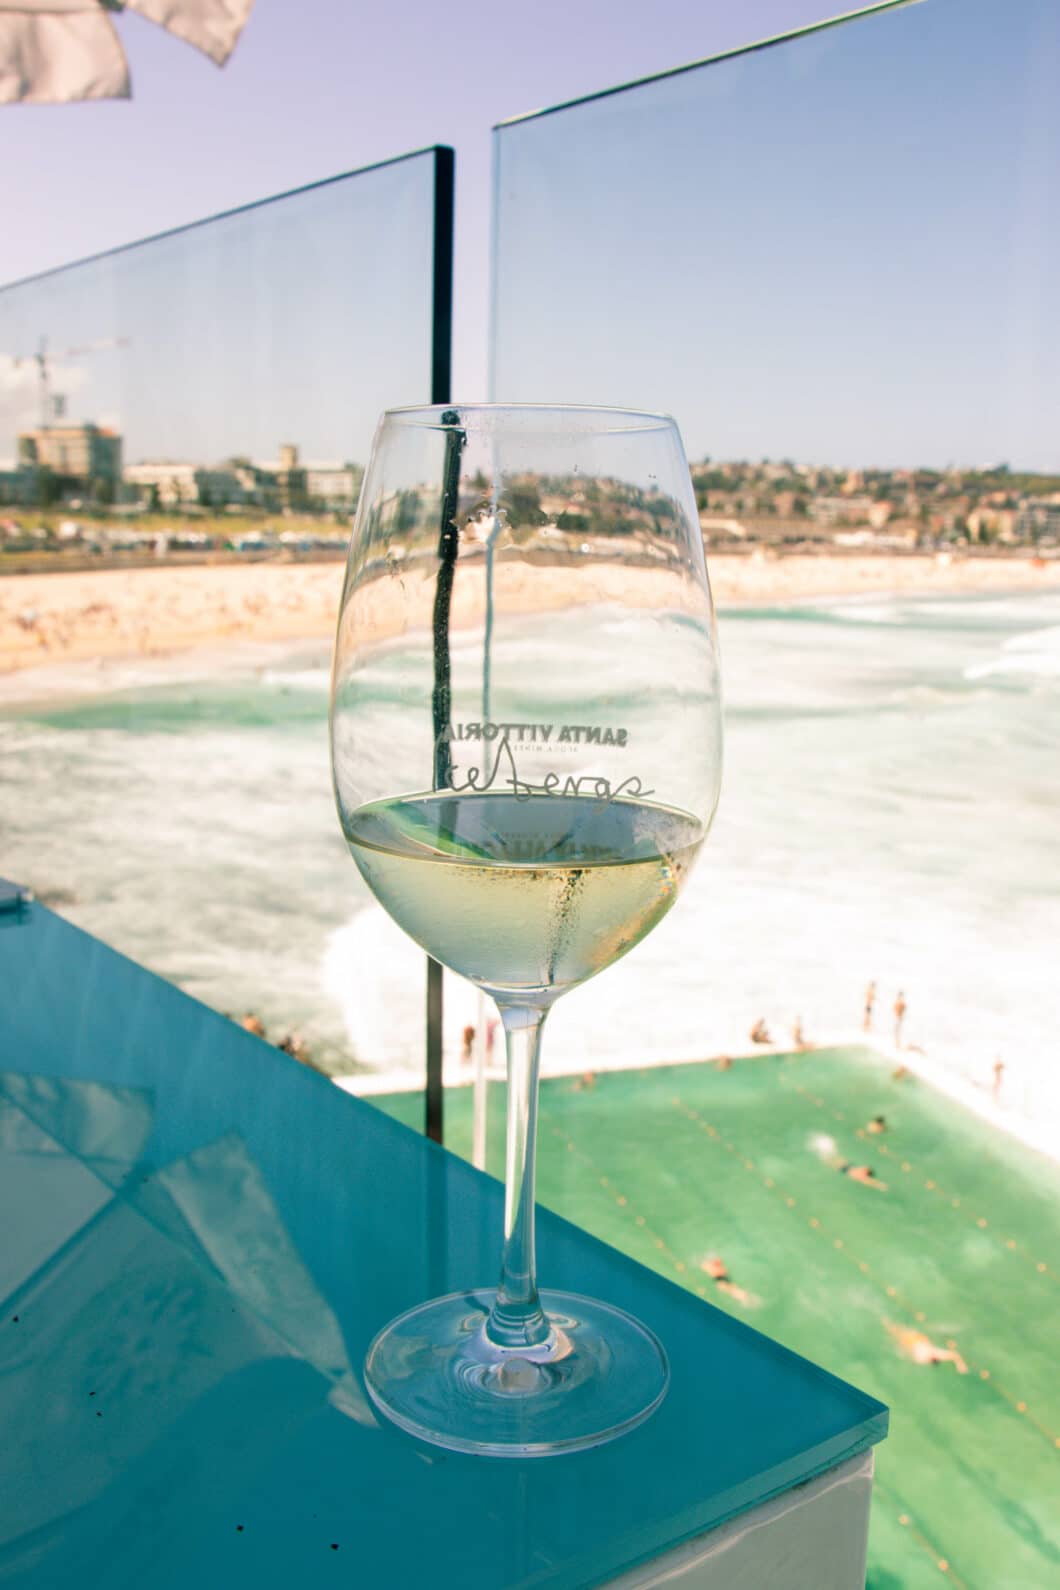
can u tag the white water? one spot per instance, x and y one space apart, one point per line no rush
889 811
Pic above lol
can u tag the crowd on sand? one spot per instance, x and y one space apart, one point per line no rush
95 614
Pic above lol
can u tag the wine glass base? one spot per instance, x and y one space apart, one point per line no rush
434 1372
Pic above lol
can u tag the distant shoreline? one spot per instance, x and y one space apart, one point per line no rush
85 615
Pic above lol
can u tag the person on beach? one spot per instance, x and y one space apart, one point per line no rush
870 1000
922 1350
999 1071
468 1046
877 1125
899 1018
719 1274
760 1032
798 1037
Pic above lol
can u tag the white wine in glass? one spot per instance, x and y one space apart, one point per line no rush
526 895
526 747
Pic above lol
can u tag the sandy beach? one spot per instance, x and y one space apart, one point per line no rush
115 613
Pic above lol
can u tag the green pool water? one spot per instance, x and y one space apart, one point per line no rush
674 1164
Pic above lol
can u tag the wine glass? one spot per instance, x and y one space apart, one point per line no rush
526 751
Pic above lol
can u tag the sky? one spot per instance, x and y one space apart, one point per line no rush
844 248
326 86
323 87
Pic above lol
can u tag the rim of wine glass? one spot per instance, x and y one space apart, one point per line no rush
433 415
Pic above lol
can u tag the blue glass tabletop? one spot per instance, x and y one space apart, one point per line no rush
201 1237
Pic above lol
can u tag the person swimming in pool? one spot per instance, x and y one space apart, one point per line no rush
862 1173
922 1350
825 1149
719 1274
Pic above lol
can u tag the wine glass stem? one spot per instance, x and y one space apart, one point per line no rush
517 1318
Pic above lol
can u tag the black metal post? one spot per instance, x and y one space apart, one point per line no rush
441 373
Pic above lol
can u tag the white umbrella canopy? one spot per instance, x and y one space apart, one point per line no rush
53 51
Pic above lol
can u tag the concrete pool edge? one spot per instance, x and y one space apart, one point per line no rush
1043 1136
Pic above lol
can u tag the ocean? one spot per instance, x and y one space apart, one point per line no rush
889 812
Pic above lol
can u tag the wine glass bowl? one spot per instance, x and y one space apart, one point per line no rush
526 751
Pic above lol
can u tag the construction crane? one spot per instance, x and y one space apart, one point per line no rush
53 404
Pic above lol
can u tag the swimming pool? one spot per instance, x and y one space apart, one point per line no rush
957 1243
